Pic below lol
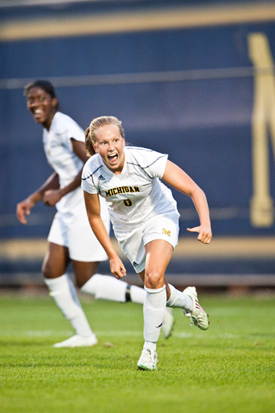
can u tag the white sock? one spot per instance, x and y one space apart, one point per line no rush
179 299
64 294
137 294
153 310
109 288
150 346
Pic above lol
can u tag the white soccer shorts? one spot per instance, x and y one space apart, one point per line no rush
75 233
159 227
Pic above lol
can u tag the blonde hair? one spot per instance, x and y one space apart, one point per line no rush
90 136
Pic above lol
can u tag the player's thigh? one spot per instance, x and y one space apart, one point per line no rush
56 260
158 256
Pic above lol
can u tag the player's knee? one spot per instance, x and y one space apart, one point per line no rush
153 279
82 278
45 271
48 271
80 281
83 272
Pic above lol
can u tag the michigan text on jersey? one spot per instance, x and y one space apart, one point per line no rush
122 190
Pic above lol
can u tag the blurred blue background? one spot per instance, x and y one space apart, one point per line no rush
177 73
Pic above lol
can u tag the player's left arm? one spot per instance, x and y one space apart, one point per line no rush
180 180
51 197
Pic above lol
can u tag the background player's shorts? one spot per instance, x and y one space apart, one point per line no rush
164 227
74 232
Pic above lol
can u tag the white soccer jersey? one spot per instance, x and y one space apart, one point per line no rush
61 157
136 193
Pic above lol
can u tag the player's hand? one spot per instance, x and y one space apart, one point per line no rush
205 233
22 209
51 197
117 268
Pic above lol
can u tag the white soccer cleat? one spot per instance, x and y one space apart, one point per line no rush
148 360
198 316
77 341
168 323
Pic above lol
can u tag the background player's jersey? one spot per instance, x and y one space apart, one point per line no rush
136 193
61 157
58 147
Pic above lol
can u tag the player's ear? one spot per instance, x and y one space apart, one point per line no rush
54 102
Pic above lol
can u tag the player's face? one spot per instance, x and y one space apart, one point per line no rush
109 145
41 105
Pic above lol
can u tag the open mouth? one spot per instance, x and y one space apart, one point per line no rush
37 113
112 158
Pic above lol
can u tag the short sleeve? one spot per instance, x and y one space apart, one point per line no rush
157 167
89 181
69 129
152 162
76 132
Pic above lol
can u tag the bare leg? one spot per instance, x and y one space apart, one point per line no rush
56 261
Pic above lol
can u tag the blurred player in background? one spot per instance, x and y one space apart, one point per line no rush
145 220
70 238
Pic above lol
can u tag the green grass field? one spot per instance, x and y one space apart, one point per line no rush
229 368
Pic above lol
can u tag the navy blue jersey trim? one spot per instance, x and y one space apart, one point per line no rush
91 175
147 166
139 148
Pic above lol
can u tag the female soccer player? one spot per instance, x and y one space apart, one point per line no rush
145 221
70 238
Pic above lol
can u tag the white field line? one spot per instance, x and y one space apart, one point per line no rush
129 333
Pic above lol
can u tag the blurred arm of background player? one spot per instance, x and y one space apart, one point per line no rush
50 192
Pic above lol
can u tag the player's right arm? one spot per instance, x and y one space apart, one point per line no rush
24 207
93 211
